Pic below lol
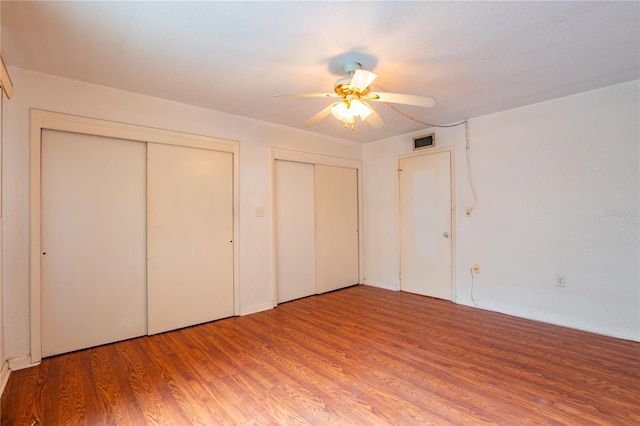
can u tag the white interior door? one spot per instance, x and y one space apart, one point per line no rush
190 236
93 262
295 230
425 225
336 209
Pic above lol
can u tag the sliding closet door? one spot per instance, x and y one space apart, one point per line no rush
190 236
336 207
93 260
295 230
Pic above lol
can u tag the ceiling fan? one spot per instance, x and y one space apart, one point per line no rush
354 91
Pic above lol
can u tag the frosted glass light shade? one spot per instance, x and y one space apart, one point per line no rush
347 111
342 112
360 109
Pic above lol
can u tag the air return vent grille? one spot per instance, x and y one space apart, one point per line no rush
423 142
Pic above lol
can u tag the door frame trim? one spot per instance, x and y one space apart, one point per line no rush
452 174
312 158
76 124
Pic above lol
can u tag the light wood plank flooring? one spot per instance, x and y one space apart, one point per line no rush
358 356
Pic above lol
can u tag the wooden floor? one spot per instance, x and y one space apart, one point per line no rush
359 356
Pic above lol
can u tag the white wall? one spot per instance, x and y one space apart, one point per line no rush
558 188
4 371
46 92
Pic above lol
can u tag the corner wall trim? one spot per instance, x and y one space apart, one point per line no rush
384 285
4 376
256 308
5 80
21 363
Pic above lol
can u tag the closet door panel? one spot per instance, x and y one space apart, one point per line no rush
295 230
190 236
336 207
93 225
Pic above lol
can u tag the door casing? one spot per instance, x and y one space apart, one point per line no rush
312 158
91 126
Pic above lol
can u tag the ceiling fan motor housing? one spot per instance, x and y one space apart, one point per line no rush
341 87
351 67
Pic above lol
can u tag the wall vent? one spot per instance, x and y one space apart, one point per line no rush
425 141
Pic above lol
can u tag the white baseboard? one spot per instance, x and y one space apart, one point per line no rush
21 363
4 376
256 308
379 284
602 329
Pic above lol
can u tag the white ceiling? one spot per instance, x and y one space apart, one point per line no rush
475 58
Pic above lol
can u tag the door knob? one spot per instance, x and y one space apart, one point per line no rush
446 235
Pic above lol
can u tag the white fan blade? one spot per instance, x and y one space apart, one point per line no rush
397 98
305 95
374 119
361 80
319 116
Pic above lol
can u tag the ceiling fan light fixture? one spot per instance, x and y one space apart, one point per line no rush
342 112
353 91
360 109
348 110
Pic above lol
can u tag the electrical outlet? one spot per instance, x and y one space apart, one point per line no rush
561 280
476 268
